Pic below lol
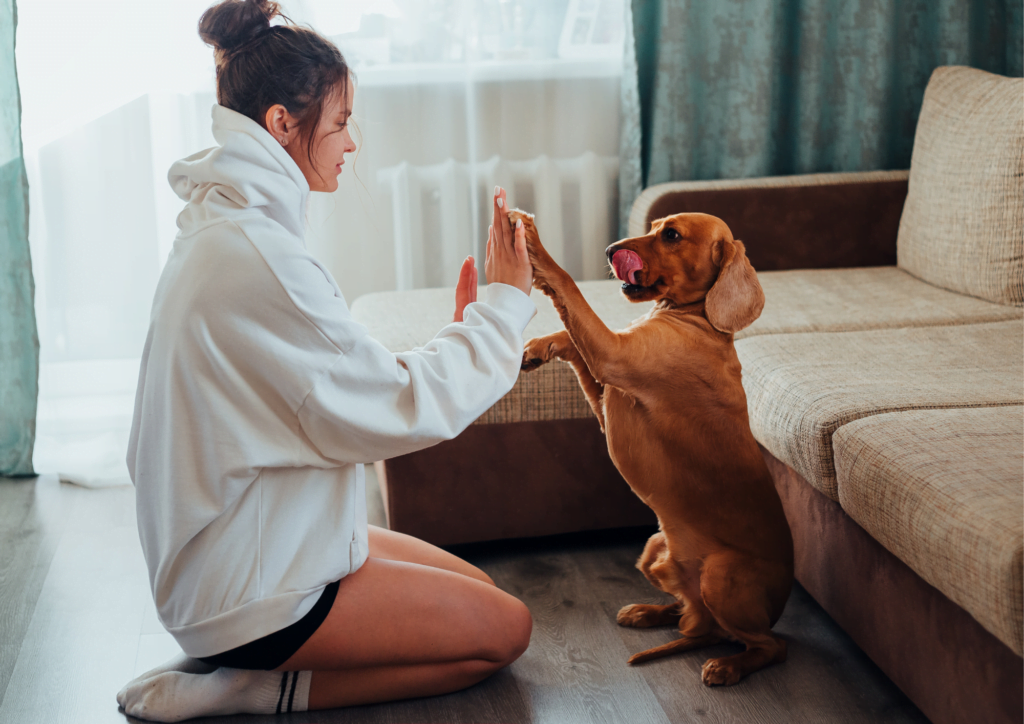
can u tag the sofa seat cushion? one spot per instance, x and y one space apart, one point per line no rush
811 300
943 490
802 387
846 300
962 227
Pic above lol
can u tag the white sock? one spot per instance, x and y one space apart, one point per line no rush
175 695
181 662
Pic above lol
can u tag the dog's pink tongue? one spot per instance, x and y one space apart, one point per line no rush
626 264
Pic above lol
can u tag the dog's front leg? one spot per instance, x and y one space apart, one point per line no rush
560 346
600 349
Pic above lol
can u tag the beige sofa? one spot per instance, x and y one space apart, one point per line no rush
886 387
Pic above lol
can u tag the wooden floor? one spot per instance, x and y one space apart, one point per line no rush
77 622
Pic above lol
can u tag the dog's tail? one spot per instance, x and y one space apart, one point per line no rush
684 643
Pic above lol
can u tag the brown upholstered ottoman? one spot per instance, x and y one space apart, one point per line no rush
534 464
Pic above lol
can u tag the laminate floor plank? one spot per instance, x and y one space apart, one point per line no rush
570 670
90 626
825 677
33 512
83 638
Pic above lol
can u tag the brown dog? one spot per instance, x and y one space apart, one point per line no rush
667 394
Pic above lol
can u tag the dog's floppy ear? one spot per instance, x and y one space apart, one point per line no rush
736 299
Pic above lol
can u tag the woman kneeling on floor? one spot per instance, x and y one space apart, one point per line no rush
260 399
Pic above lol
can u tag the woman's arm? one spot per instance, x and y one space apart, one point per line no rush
373 404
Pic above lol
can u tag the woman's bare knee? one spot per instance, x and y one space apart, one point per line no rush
510 635
520 630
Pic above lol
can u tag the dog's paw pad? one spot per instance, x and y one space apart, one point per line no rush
529 364
631 615
718 673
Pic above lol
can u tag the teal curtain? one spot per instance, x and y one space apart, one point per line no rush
19 342
745 88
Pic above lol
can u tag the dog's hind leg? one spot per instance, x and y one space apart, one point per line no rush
560 345
734 590
665 574
674 647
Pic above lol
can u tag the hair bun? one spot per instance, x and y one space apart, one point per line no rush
230 24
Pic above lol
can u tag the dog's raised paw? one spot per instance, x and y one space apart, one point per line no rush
529 364
718 672
536 352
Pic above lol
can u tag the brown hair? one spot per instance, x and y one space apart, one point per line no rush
259 65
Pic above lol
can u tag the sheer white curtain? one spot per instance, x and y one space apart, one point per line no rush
453 96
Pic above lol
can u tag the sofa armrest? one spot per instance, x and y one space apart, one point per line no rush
813 221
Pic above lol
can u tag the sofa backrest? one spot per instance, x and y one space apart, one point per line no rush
962 226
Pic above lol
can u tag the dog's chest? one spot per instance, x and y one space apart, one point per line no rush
627 430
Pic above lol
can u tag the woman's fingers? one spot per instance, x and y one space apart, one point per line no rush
506 225
507 259
520 242
502 228
474 280
465 291
498 209
489 255
490 245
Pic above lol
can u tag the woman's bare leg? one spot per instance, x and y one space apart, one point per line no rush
394 546
334 689
399 629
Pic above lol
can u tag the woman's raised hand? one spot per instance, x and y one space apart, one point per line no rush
507 260
465 292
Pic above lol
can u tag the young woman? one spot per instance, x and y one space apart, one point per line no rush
260 399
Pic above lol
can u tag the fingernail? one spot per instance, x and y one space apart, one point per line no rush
519 223
501 203
497 190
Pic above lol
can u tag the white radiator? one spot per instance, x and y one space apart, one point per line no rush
440 213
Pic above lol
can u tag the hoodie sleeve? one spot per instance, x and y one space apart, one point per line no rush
373 404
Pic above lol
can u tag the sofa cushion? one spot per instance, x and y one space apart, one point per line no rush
943 490
796 301
962 227
845 300
802 387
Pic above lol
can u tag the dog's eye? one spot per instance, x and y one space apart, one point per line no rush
670 234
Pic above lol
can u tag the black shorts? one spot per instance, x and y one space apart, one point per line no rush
274 649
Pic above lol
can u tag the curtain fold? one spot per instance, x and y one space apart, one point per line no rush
746 88
19 342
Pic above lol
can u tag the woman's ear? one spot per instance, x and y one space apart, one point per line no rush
736 299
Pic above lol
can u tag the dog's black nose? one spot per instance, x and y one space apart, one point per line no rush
610 251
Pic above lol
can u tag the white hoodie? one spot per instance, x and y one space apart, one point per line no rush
260 398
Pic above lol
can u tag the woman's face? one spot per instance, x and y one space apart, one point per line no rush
331 140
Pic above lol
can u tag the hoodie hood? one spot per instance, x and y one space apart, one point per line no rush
248 170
